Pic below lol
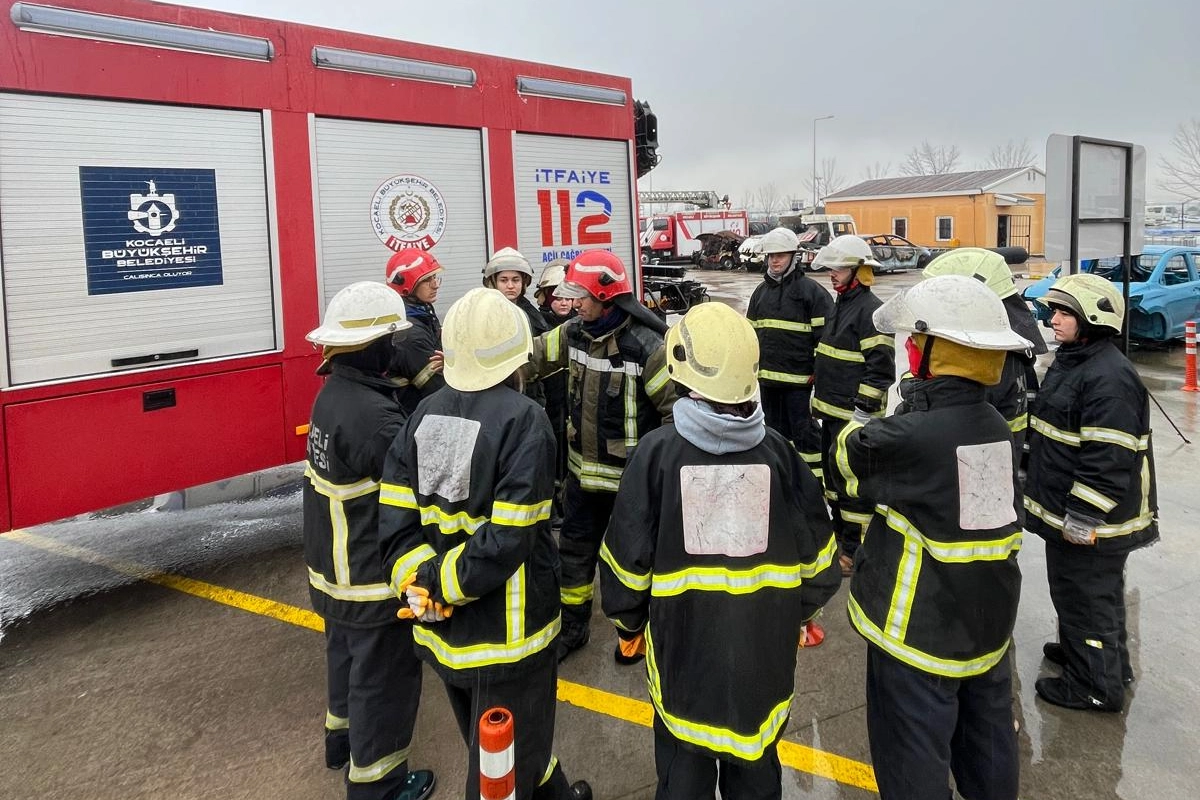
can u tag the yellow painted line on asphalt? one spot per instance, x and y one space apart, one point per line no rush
797 756
218 594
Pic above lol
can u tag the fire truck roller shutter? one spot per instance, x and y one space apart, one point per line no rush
141 227
572 194
383 186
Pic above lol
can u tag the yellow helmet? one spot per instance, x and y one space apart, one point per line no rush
485 339
1093 299
713 351
974 262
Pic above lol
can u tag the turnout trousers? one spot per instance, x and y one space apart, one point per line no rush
687 774
850 515
585 518
1088 592
923 728
531 699
374 682
787 410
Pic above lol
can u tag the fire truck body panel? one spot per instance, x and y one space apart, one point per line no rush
173 223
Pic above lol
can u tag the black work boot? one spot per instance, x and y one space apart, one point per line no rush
581 790
1054 653
1064 693
569 642
418 785
337 749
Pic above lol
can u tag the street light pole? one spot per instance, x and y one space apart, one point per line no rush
814 154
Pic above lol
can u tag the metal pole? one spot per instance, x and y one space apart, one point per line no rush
814 158
1127 261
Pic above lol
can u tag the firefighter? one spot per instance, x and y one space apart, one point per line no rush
936 581
788 311
374 678
855 365
465 536
719 549
509 272
1018 383
556 311
618 391
1090 491
417 276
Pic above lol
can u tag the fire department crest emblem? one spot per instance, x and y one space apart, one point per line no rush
408 211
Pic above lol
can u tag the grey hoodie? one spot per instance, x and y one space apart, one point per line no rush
715 433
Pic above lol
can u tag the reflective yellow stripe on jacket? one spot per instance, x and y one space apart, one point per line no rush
1090 434
747 581
1138 523
785 377
712 737
923 661
592 475
840 354
337 494
486 654
916 546
783 325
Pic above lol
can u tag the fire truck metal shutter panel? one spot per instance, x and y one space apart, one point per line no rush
415 185
131 230
572 195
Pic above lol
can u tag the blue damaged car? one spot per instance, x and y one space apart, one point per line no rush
1164 290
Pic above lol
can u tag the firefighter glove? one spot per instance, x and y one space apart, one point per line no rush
1078 529
860 416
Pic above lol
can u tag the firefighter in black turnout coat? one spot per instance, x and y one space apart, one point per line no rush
788 311
374 678
718 530
936 581
1018 382
417 370
465 536
855 365
1090 491
509 272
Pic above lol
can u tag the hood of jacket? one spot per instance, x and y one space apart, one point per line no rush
715 433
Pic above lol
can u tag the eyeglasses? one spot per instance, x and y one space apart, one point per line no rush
434 280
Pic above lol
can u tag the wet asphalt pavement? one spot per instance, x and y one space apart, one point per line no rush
139 660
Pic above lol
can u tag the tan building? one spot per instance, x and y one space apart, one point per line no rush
988 208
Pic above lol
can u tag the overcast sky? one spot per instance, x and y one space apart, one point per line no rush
736 85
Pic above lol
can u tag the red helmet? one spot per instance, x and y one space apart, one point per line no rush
406 268
599 273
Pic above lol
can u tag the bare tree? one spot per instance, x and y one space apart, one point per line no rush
768 199
926 159
1010 155
1182 166
828 179
874 172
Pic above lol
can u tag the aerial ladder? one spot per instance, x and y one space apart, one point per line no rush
699 199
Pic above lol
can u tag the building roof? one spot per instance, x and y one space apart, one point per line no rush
951 183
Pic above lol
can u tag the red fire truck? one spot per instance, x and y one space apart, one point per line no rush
182 191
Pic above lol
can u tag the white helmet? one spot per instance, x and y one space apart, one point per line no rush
779 240
554 274
507 259
485 339
952 307
359 314
845 252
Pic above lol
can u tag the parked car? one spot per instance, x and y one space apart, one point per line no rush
752 260
1164 290
895 252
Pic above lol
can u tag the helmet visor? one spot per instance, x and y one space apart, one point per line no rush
571 291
